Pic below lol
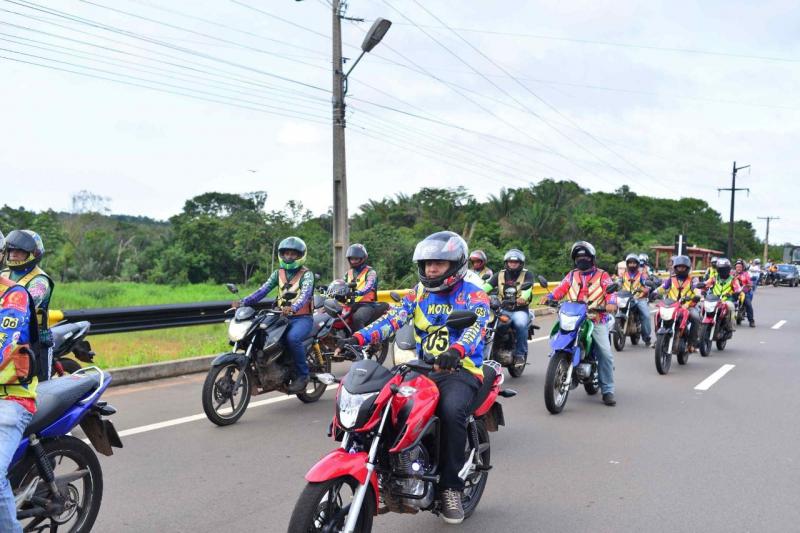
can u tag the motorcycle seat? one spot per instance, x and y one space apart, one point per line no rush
489 375
55 396
65 332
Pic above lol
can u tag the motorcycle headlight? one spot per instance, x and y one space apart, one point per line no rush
349 406
237 330
710 307
622 302
667 313
567 322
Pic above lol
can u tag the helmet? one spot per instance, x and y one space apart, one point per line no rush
681 260
756 261
582 246
2 246
631 257
514 255
357 251
740 261
338 290
441 246
714 261
296 244
478 255
27 241
724 267
644 259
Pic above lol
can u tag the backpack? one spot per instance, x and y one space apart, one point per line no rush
33 356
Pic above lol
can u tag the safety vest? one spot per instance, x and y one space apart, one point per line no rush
293 285
595 294
361 282
722 288
41 312
678 289
634 284
501 282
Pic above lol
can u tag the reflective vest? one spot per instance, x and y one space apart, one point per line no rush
501 282
723 289
595 294
293 285
678 289
361 282
41 312
632 284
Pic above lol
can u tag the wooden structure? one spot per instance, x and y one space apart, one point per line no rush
697 255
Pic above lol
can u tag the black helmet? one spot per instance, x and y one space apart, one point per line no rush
338 290
27 241
632 257
441 246
681 261
514 255
292 243
357 251
724 267
582 247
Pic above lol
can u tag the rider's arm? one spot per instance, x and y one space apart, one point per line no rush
471 338
306 291
369 285
262 291
559 292
393 320
605 281
491 284
527 294
39 289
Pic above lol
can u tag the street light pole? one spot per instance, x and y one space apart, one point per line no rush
341 229
733 190
766 239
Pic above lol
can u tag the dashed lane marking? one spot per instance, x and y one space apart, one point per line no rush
713 378
779 324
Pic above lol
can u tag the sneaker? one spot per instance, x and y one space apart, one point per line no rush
298 385
609 400
452 511
648 343
519 360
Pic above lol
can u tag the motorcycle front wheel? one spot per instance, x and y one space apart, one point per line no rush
556 390
663 356
618 335
218 393
476 481
705 340
324 506
517 370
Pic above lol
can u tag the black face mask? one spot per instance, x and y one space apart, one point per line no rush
681 274
633 269
724 272
584 264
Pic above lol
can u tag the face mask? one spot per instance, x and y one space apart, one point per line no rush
681 275
632 270
583 264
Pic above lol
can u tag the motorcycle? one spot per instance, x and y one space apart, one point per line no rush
388 460
572 360
258 362
740 309
501 347
56 477
673 331
70 338
714 315
627 322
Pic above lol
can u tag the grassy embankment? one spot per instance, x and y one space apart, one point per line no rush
126 349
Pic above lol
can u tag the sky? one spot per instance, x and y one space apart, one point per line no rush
151 103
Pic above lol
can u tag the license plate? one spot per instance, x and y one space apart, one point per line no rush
101 433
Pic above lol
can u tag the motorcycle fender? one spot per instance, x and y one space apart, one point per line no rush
340 463
563 342
662 331
238 358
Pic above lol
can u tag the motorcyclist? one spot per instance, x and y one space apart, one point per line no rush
291 277
747 289
633 280
711 271
24 251
364 281
726 286
679 287
588 283
478 265
755 273
441 260
644 263
515 275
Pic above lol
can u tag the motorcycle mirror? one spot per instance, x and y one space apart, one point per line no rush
232 287
486 277
526 286
352 284
317 277
461 319
394 296
542 282
611 289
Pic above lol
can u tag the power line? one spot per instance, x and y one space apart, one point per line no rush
287 21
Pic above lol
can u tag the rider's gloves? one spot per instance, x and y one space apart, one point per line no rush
449 360
349 341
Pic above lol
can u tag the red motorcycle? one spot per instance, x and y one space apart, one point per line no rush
673 330
389 457
714 314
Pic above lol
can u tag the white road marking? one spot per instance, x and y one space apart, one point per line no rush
539 339
779 324
713 378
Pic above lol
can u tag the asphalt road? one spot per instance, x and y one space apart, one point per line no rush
666 458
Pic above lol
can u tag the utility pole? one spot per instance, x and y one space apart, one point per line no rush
341 229
733 190
766 239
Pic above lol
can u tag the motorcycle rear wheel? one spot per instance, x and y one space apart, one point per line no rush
591 387
635 339
705 340
721 344
683 351
663 356
321 507
314 389
216 393
554 398
517 370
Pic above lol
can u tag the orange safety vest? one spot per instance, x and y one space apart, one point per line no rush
678 290
361 282
293 285
595 294
634 284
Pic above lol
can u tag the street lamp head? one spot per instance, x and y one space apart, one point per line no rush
375 34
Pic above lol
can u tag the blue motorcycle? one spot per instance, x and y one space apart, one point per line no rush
56 477
572 360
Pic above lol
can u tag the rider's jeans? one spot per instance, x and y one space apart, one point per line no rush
298 330
605 358
748 305
731 314
520 320
456 392
13 420
644 316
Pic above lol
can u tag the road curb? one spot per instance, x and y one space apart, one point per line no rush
166 369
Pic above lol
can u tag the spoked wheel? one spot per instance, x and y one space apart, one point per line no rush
683 350
705 340
663 355
223 402
516 370
556 390
476 479
314 389
78 475
323 507
618 336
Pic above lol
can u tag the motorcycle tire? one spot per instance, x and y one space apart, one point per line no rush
721 343
591 387
554 398
662 355
635 339
705 340
476 483
211 394
619 338
311 395
683 351
312 506
90 486
517 370
381 352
